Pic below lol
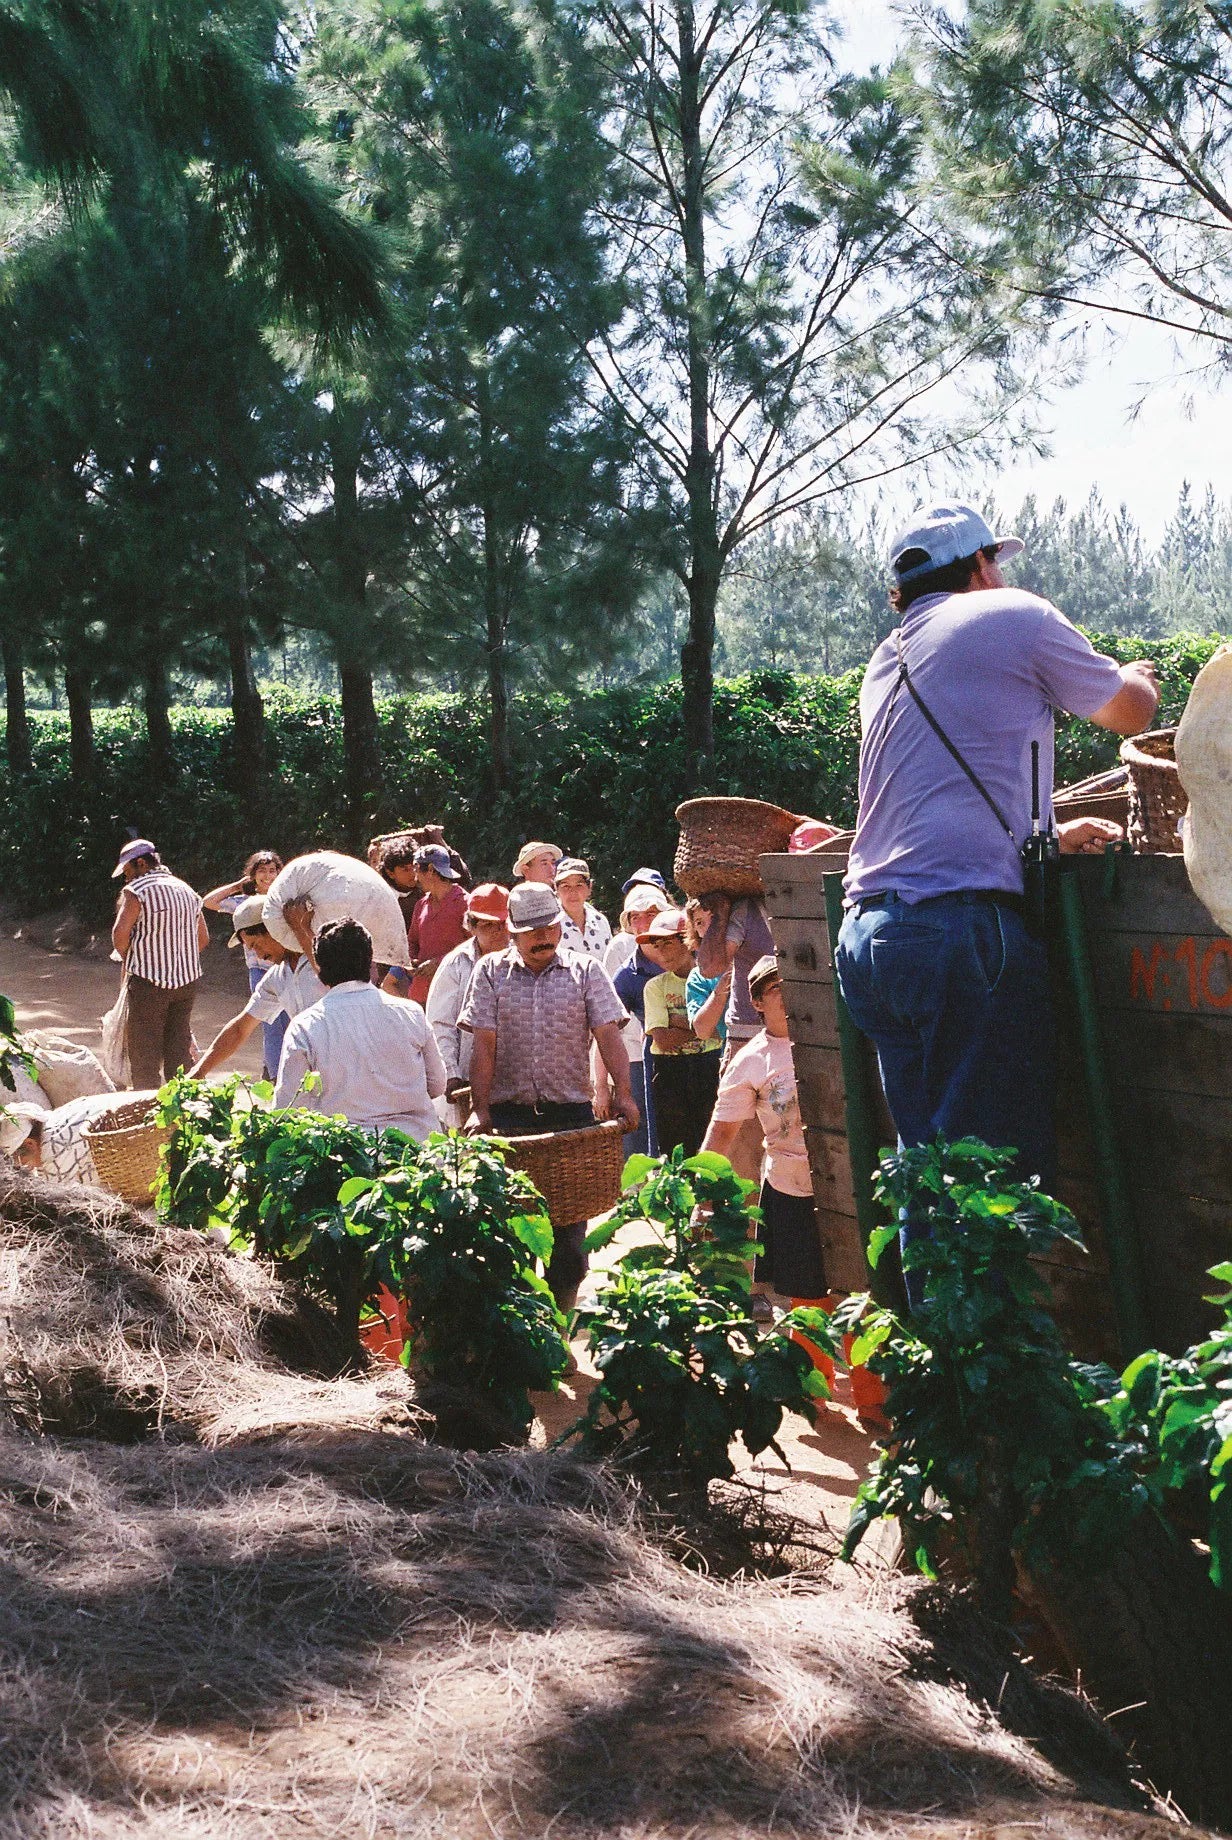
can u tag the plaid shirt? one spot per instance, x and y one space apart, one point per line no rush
543 1023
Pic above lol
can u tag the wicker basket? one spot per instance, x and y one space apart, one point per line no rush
1070 804
721 840
576 1172
1157 800
124 1145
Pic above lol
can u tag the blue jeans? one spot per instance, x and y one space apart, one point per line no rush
271 1032
953 993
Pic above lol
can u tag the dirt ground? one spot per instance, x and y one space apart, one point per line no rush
70 992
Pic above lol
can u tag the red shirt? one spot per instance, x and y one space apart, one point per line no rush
436 928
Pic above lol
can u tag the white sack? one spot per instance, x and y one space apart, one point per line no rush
113 1046
1204 762
26 1091
339 887
66 1069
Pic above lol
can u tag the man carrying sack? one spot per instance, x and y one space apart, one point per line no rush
936 960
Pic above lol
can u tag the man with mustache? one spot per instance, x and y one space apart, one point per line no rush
532 1011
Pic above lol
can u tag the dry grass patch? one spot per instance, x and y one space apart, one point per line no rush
115 1328
240 1606
363 1634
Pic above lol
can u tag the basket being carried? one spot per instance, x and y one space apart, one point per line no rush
721 840
1157 799
577 1172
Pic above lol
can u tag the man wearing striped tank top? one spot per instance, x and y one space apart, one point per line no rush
160 934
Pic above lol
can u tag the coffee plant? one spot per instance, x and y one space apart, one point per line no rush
457 1233
683 1367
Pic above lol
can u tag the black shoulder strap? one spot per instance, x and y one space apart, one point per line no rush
904 677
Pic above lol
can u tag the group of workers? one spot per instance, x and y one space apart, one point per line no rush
521 1010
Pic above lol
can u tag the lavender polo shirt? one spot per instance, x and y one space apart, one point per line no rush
992 666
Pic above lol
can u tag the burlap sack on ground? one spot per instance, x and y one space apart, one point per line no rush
66 1069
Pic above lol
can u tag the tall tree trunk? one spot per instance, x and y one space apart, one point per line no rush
360 748
247 708
705 562
78 688
17 722
157 711
360 737
496 621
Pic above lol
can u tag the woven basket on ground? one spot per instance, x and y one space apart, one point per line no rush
1157 800
576 1172
721 840
124 1145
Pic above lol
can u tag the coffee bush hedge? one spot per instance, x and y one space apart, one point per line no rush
599 771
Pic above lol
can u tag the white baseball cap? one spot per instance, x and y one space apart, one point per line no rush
140 846
249 915
941 534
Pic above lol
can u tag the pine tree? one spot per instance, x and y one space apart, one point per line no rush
469 128
793 306
1091 139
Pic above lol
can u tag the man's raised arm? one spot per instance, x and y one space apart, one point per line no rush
1135 703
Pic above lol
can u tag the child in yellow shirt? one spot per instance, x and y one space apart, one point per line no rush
684 1070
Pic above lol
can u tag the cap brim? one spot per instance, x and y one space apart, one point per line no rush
1008 547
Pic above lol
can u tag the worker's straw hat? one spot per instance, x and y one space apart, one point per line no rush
247 917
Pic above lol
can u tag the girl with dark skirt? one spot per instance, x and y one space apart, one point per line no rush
760 1082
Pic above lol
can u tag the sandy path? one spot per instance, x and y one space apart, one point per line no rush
71 993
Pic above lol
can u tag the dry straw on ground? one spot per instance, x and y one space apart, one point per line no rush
339 1631
112 1327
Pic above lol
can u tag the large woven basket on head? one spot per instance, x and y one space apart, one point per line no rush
1157 800
124 1145
576 1172
721 840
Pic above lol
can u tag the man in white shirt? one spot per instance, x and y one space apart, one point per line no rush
376 1056
290 986
487 917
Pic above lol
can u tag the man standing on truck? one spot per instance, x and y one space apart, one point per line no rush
935 960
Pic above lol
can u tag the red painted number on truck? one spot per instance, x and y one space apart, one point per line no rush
1179 976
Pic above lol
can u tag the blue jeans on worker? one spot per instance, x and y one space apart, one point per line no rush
271 1032
953 993
643 1141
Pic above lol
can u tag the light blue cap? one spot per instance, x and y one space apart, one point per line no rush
946 533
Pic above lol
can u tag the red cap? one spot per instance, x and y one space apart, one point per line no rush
489 901
669 924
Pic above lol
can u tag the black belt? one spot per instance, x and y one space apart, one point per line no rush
984 897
